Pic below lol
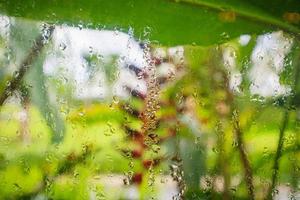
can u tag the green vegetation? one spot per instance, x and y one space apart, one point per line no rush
216 126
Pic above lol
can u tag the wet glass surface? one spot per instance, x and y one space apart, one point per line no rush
193 100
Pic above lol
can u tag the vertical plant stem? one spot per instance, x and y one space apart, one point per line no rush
243 155
223 159
35 51
248 172
278 154
295 174
284 124
177 171
296 88
151 100
148 115
222 111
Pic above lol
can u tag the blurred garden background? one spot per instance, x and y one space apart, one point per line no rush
152 99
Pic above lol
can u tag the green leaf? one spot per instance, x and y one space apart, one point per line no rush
168 22
21 37
40 97
194 166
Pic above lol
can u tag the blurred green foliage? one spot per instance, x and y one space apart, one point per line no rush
168 22
66 147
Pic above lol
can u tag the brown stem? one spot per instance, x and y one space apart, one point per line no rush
14 83
151 100
130 110
243 155
278 153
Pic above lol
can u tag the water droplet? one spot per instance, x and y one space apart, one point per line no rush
80 26
100 57
62 46
90 50
126 181
224 36
115 99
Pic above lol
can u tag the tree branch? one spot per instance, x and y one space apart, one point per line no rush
278 153
36 49
244 158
